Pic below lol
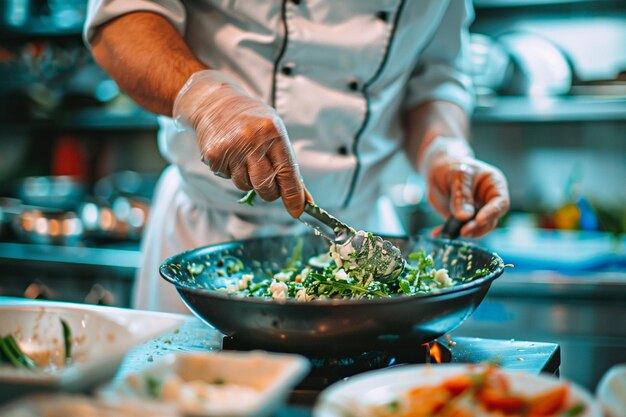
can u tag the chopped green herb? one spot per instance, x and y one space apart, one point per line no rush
296 257
67 340
218 381
496 360
393 406
574 411
153 385
248 198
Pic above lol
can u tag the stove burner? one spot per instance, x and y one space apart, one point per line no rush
533 357
328 370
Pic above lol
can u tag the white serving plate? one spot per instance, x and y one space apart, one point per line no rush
101 336
354 397
272 375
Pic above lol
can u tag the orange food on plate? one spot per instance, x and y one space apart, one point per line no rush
427 400
496 380
494 400
485 392
548 403
457 385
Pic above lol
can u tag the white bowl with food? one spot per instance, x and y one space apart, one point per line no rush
67 347
454 390
73 405
216 383
611 392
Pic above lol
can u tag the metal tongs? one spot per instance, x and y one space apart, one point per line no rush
360 250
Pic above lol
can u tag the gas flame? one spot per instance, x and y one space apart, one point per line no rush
435 352
427 350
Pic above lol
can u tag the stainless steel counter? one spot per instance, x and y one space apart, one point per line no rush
532 357
584 313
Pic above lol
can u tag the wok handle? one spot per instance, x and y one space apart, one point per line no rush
452 228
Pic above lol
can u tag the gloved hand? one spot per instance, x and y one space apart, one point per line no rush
461 185
241 138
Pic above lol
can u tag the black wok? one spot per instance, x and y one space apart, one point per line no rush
327 326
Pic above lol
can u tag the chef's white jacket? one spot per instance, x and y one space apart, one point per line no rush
340 73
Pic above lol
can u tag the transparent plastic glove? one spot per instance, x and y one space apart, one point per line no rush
240 138
462 186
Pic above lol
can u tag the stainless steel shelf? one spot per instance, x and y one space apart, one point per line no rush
102 119
123 257
550 109
484 4
488 110
42 26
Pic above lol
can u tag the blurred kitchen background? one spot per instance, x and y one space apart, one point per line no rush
78 162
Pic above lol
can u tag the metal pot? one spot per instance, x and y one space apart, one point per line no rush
15 13
48 226
59 192
123 219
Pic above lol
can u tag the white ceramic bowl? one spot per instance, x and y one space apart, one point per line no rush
611 392
101 336
73 405
354 397
260 380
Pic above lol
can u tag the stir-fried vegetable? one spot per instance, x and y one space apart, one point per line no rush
321 278
337 275
153 386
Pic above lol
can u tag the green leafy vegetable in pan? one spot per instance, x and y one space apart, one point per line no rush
321 278
325 276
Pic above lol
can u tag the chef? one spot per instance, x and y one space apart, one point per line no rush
279 95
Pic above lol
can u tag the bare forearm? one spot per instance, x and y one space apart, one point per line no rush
430 120
146 57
